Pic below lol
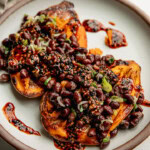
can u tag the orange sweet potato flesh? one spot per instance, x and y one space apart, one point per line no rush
63 13
26 86
57 128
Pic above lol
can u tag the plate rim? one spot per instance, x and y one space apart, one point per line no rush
135 141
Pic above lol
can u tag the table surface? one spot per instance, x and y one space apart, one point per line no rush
144 5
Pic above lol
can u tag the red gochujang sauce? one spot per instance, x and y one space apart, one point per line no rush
9 111
68 146
111 23
114 38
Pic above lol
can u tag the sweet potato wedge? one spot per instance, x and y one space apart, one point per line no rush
57 127
66 19
131 71
26 86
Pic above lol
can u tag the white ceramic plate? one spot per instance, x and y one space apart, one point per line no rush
138 36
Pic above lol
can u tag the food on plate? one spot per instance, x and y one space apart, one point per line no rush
37 36
87 97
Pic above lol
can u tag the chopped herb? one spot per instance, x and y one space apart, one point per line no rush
106 86
115 112
68 40
106 139
117 99
124 99
53 21
42 18
81 108
135 107
93 72
25 42
79 64
94 84
74 112
111 60
6 49
101 102
46 82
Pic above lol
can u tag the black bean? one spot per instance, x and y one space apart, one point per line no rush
77 78
90 67
82 50
91 57
24 73
130 98
104 145
66 93
67 102
140 99
69 77
80 124
77 97
92 132
26 35
51 83
49 50
53 96
12 37
71 117
13 65
60 50
70 51
114 133
97 58
102 135
138 115
100 118
73 38
62 36
71 86
139 108
75 44
107 125
124 124
57 87
115 105
134 122
98 63
99 92
62 76
4 78
108 110
107 101
80 57
65 112
7 42
87 61
99 77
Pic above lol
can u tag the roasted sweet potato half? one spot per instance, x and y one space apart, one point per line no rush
57 126
65 19
26 86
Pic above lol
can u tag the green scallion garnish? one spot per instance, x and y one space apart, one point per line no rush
106 86
94 84
47 80
106 139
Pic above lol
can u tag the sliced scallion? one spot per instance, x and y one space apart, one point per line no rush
106 86
47 80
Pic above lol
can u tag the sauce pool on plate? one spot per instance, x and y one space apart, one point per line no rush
114 38
9 111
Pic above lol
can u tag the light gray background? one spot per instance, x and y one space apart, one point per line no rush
143 4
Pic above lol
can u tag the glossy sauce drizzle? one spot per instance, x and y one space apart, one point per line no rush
68 146
9 111
114 38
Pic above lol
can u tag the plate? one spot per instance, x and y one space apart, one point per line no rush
137 33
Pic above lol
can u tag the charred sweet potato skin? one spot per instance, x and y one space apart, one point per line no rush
26 86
